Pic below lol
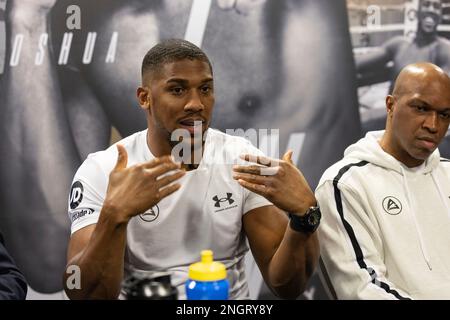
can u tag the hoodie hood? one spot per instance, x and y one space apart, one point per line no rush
369 149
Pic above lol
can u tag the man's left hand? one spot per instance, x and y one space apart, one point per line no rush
279 181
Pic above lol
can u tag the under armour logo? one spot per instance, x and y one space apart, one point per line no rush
227 198
392 205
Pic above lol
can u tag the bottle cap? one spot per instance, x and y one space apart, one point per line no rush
207 269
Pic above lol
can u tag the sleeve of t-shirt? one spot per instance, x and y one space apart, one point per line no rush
87 195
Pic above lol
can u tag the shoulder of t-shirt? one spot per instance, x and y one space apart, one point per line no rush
102 162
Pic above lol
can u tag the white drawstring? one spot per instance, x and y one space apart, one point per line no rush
409 199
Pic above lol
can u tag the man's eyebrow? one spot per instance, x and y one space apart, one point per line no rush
413 100
209 79
184 81
418 100
177 80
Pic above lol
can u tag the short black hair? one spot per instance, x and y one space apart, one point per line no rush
171 50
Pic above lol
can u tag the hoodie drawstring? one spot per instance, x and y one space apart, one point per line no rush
409 199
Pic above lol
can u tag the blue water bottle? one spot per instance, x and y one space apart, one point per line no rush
207 279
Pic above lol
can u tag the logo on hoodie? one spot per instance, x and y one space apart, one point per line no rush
392 205
151 214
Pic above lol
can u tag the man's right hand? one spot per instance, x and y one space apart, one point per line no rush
134 190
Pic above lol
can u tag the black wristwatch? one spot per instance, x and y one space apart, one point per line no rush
308 223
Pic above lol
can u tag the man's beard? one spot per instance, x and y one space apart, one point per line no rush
188 149
193 142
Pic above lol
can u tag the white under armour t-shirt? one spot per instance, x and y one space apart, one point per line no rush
205 213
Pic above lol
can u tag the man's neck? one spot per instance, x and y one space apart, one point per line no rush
423 39
386 143
158 146
161 146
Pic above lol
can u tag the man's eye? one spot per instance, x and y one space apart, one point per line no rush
421 108
444 116
205 89
177 90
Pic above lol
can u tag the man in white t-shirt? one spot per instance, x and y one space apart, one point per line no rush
136 209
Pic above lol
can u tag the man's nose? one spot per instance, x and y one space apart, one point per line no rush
194 103
431 122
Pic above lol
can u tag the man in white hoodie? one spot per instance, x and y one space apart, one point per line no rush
386 227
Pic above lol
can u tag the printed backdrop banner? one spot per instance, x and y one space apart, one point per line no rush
70 69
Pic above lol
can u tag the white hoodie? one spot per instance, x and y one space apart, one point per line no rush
385 230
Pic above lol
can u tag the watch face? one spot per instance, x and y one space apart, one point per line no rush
314 217
307 223
312 220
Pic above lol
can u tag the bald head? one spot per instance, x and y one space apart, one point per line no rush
416 77
418 113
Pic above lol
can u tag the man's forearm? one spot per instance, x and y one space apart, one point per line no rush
34 119
31 87
372 62
101 263
37 146
293 263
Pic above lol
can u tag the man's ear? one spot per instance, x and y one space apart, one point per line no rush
144 97
390 101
